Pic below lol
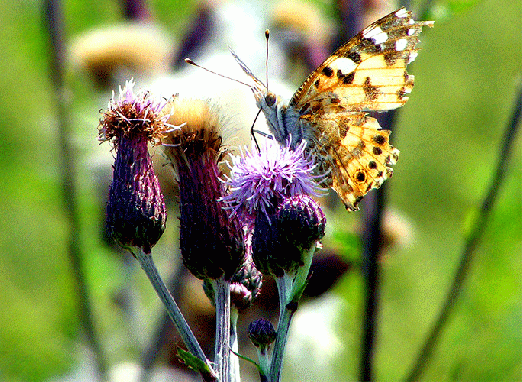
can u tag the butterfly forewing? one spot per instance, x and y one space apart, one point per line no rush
369 72
366 74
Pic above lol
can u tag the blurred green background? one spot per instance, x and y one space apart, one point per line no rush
448 134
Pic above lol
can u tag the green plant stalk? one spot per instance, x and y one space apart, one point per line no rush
222 340
263 356
56 29
234 345
190 341
472 241
301 277
285 318
290 288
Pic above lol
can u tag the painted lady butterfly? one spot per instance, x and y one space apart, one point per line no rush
328 110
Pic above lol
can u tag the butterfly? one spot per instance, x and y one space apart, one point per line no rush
329 110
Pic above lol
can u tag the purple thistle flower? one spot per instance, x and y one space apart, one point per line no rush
136 213
259 181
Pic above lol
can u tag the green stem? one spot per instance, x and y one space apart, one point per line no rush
222 340
54 19
234 345
301 277
290 288
283 326
472 242
190 341
263 356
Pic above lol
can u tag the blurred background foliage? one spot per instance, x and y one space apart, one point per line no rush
449 135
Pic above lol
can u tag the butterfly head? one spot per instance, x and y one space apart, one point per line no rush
264 98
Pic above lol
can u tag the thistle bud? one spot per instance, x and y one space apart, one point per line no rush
211 242
280 241
262 333
302 222
136 213
245 284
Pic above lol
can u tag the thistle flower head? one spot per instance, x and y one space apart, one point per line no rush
260 180
211 243
136 213
106 52
133 115
200 135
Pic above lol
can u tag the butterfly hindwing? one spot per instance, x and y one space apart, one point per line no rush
355 151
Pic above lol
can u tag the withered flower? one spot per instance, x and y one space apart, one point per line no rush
211 242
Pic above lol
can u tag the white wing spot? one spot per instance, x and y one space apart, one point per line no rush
376 34
402 13
344 64
413 56
411 32
401 44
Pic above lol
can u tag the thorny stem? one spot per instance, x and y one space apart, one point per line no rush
471 242
222 340
190 341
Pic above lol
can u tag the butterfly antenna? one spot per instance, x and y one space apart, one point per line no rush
189 61
267 36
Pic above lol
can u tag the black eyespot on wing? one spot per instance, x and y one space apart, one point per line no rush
327 71
371 92
401 93
345 78
348 79
369 46
379 139
377 151
355 57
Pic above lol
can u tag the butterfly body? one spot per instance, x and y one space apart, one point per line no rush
329 108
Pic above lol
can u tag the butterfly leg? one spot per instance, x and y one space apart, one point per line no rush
253 131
